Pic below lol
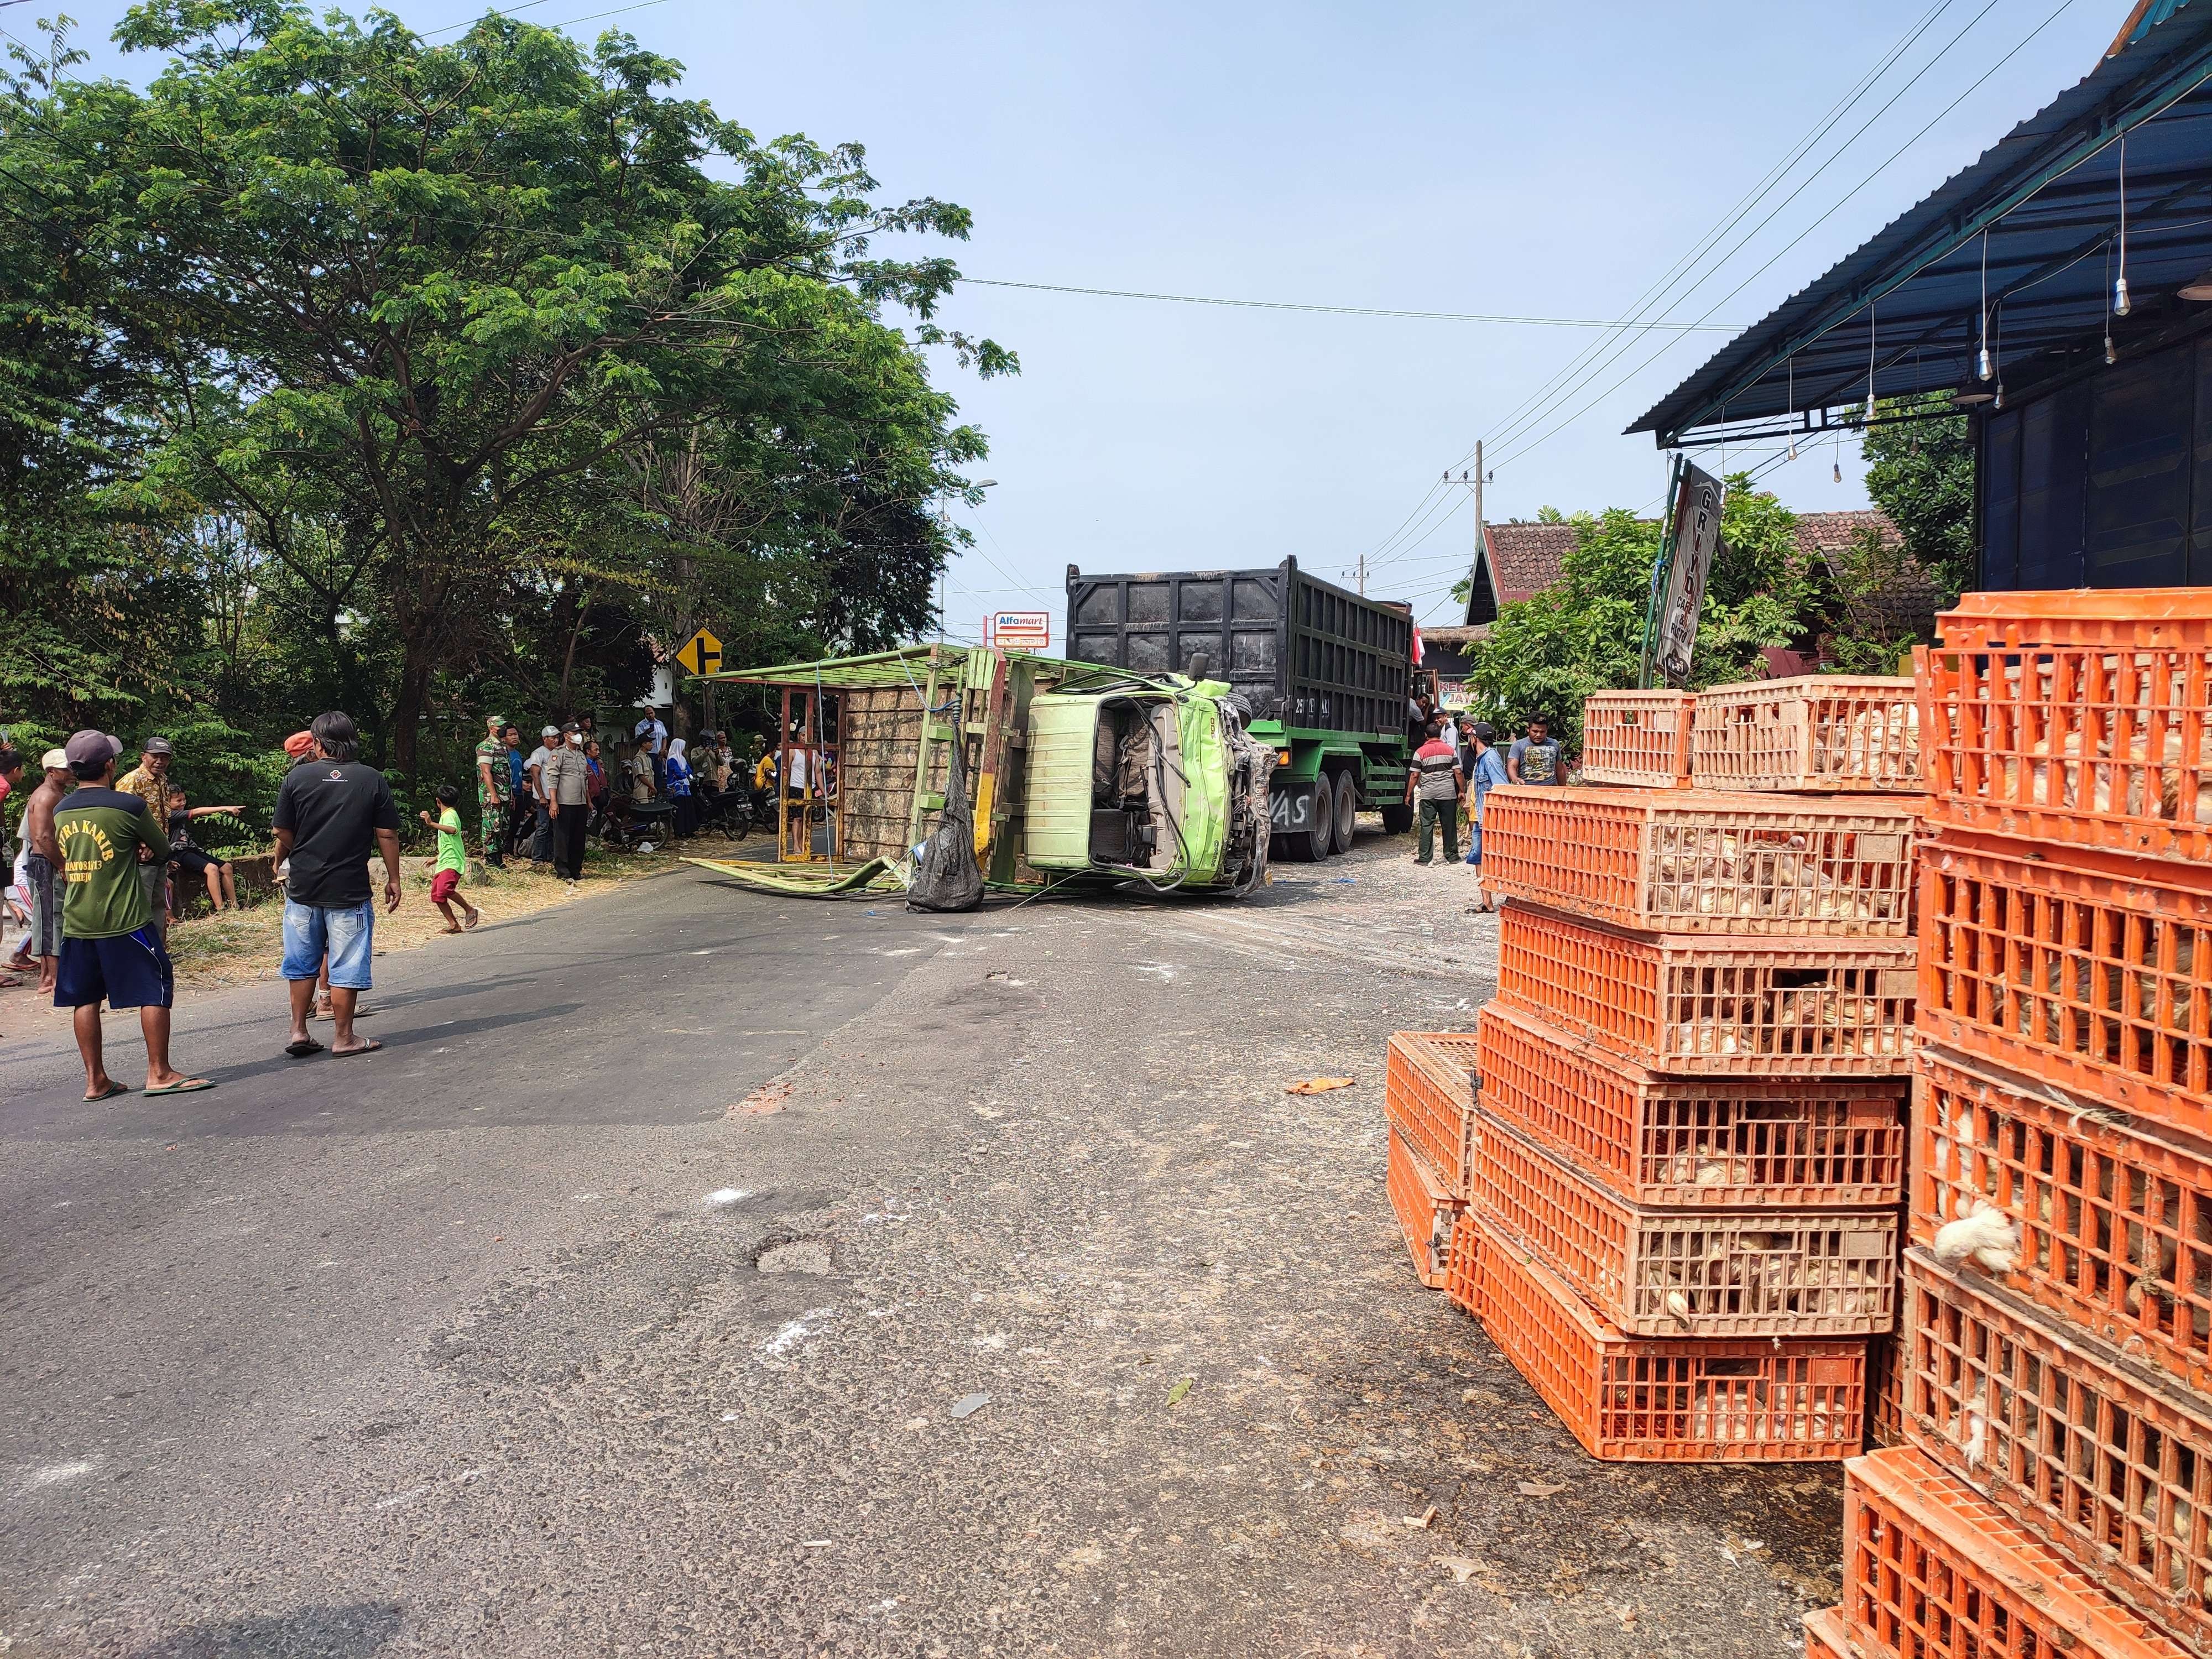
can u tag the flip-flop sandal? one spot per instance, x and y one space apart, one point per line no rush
190 1086
303 1048
108 1093
475 916
369 1046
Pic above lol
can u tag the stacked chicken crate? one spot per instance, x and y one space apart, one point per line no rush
2055 1493
1687 1147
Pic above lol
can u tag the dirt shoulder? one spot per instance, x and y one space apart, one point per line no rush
242 947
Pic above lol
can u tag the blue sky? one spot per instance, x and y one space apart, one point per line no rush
1519 160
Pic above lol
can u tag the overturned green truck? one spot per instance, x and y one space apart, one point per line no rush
1324 674
1075 774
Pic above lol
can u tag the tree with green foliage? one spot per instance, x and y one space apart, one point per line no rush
1921 473
337 367
1585 634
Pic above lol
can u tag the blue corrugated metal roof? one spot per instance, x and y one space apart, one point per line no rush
2047 196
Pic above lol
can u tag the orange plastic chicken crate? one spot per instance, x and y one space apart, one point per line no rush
2115 1226
2095 974
1425 1209
2088 745
1933 1570
1824 1635
2115 1473
1704 1007
2150 618
1428 1093
1702 1272
1698 861
1463 1270
1631 1400
1762 1141
1637 738
1886 1390
1814 732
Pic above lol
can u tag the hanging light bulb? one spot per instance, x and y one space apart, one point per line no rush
2111 355
1982 362
1839 472
1793 449
2120 287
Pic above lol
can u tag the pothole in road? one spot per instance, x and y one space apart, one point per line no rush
794 1255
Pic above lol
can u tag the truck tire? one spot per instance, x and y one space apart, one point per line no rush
1397 820
1347 810
1320 814
1312 812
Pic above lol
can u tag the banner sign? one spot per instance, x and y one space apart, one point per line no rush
1696 536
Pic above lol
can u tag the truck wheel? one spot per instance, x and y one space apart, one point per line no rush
1303 836
1347 810
1319 837
1397 820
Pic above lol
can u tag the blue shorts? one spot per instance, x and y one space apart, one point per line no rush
348 936
126 970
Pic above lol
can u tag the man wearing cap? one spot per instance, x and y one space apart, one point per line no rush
329 814
149 781
110 951
567 780
651 737
42 867
491 797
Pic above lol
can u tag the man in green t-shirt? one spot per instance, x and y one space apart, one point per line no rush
453 859
110 951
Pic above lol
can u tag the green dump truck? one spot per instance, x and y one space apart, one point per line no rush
1324 673
1074 774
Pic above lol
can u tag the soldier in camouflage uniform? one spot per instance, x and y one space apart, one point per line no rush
492 789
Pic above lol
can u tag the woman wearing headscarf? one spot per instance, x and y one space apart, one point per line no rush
679 789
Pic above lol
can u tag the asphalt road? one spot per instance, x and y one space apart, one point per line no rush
696 1272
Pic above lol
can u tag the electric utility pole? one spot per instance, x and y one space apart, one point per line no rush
1478 507
1477 482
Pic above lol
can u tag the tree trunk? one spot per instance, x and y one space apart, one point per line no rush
407 711
571 597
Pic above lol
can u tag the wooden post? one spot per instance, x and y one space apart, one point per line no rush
921 750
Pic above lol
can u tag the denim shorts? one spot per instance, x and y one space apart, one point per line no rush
348 934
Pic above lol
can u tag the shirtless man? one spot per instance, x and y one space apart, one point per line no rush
46 859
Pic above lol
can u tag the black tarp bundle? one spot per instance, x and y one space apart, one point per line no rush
946 874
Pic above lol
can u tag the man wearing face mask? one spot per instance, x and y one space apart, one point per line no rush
566 779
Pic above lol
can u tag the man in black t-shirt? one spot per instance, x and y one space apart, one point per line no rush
328 812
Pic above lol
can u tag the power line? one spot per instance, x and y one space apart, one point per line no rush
1347 311
503 11
526 5
1682 268
2062 6
1593 354
1803 185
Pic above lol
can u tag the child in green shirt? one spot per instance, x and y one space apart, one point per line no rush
452 861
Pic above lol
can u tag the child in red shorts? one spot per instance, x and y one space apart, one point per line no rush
452 861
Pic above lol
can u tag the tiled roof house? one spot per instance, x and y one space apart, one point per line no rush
1519 561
